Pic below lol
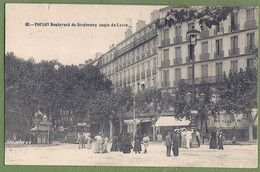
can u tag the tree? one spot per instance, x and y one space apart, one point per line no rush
238 95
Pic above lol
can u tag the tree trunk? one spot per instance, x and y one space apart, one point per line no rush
121 125
250 131
110 129
154 132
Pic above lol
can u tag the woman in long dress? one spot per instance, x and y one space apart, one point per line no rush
114 146
137 145
98 139
213 140
127 145
89 142
183 140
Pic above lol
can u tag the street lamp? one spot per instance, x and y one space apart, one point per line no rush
192 36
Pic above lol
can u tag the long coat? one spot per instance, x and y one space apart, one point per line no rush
213 141
137 145
114 146
127 145
168 140
175 145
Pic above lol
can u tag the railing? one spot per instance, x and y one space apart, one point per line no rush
136 43
204 34
177 61
250 49
143 74
250 24
154 71
234 52
165 63
128 79
133 78
204 56
165 42
218 55
138 76
219 32
166 84
234 28
199 80
148 72
178 39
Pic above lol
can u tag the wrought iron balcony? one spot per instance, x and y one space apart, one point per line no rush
178 39
199 80
218 55
204 56
234 27
165 63
204 34
148 72
250 24
154 71
234 52
166 84
250 49
219 31
165 42
143 74
177 61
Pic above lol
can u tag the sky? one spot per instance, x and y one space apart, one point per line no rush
68 44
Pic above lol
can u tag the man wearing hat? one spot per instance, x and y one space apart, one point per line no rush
168 144
175 143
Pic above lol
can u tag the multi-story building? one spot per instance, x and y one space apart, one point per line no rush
158 56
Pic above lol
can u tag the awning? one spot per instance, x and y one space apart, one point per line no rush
132 121
164 121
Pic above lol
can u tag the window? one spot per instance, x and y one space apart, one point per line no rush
154 62
234 42
177 74
178 52
250 40
234 20
143 67
133 71
166 54
138 69
234 66
189 73
218 71
166 75
219 46
178 31
204 47
148 65
165 34
251 63
250 14
204 71
190 25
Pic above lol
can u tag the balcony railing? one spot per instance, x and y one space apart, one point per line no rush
154 71
188 59
234 52
178 39
133 78
250 49
204 56
148 72
165 42
199 80
143 74
165 63
128 79
177 61
204 34
136 43
250 24
219 31
218 55
138 76
166 84
234 28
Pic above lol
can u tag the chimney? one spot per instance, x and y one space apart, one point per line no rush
140 24
129 31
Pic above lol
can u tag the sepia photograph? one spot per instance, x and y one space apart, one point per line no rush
131 85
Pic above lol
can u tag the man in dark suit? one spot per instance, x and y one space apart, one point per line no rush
168 144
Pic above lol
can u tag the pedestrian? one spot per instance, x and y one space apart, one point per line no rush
80 140
137 145
114 146
145 141
213 140
168 144
104 145
120 142
175 144
89 142
27 138
183 140
14 137
127 145
180 138
188 138
220 140
98 139
198 137
83 141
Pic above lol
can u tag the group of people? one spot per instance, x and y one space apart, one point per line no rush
216 140
138 141
27 139
83 140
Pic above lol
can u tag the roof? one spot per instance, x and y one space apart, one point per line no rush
164 121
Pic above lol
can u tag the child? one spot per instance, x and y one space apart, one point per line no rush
145 141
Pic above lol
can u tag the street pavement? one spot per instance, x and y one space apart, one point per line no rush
233 156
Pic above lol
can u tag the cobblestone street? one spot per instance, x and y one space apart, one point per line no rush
235 156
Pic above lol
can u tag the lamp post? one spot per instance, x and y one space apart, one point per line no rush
192 36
